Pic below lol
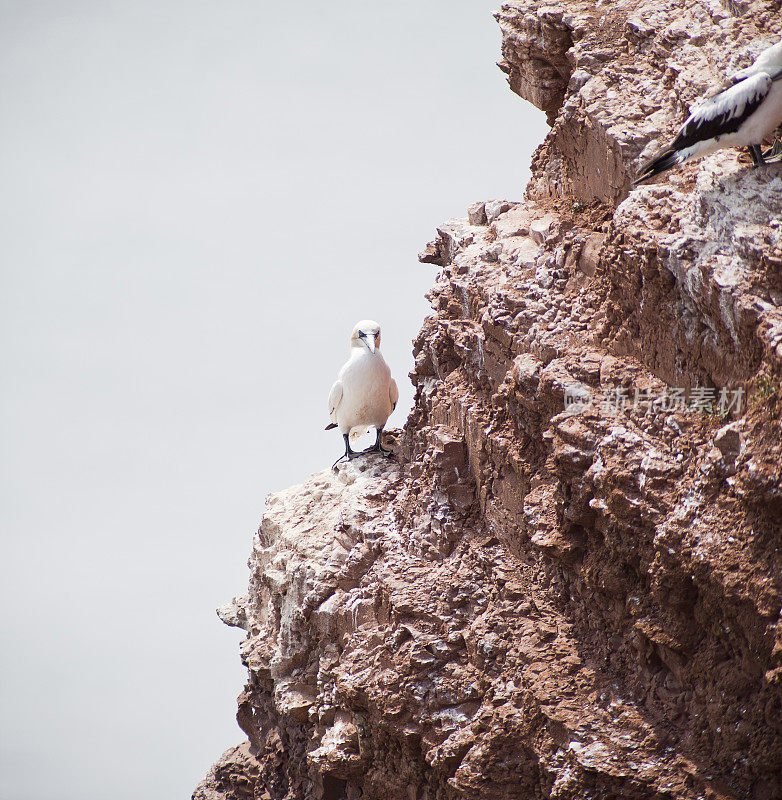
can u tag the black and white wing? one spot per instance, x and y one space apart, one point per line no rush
335 398
724 113
721 115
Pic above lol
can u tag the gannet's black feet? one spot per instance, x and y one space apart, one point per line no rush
378 448
756 151
349 453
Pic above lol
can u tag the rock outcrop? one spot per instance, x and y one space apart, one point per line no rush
568 585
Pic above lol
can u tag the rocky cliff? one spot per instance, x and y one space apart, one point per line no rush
568 584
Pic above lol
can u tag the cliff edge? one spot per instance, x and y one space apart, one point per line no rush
568 585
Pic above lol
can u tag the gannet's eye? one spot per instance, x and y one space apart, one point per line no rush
361 335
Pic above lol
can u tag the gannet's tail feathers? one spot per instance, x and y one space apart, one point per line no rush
667 159
735 8
774 153
329 427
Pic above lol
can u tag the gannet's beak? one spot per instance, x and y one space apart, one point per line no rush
370 340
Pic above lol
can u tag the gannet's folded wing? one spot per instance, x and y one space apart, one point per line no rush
762 64
335 398
393 393
724 113
710 123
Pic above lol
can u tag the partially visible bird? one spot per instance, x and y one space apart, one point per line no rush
742 115
364 393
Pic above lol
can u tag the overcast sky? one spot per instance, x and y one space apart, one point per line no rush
199 200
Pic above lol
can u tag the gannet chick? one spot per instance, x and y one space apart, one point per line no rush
364 393
740 116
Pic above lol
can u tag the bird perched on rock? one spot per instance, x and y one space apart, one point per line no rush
364 393
742 115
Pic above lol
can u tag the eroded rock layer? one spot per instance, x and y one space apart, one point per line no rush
568 584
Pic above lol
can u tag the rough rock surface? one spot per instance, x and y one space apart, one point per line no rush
569 583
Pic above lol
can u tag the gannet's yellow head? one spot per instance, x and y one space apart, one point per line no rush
366 334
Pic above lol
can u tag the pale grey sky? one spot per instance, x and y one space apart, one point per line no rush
199 200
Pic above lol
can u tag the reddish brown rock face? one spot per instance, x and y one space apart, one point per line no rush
569 583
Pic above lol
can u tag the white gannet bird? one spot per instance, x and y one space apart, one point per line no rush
740 116
364 393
